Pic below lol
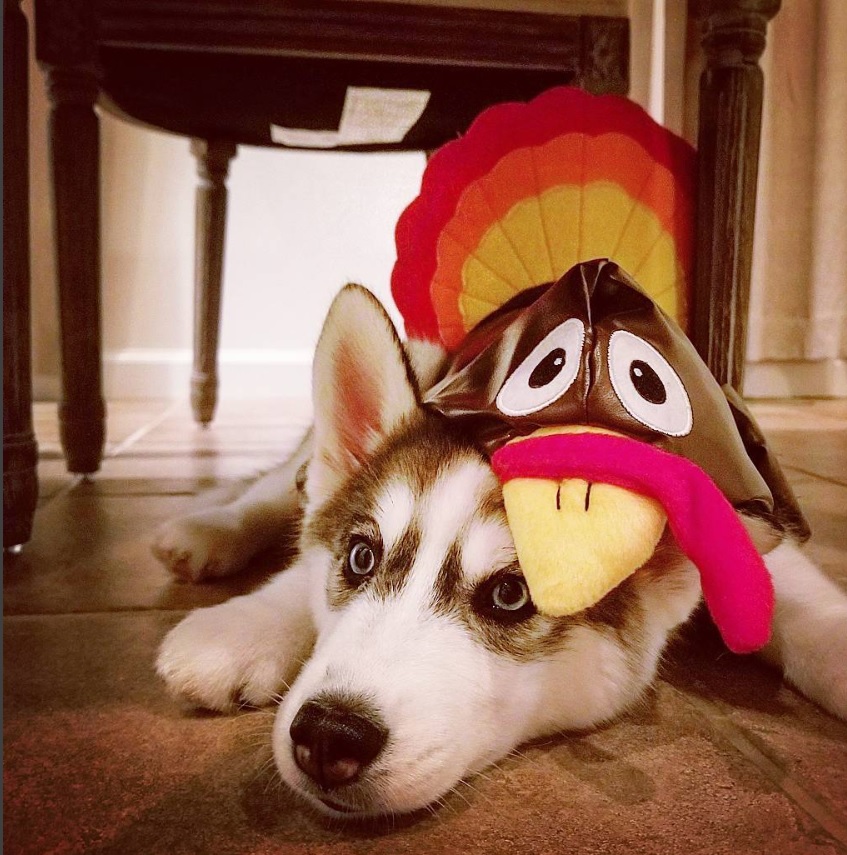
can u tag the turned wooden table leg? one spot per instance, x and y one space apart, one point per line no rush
731 86
210 217
20 481
65 46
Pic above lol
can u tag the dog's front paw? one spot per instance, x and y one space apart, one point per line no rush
816 662
204 545
224 656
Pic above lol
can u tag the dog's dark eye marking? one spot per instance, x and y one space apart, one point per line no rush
504 598
300 478
362 559
395 566
449 578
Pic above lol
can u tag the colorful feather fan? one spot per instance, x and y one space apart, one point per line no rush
530 191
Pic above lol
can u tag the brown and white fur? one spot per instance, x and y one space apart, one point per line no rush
408 678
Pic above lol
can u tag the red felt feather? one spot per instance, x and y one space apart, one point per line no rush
492 216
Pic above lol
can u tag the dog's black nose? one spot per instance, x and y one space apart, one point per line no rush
332 743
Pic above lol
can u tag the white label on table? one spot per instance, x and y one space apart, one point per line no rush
370 117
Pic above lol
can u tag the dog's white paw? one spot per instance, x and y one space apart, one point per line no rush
817 661
809 637
204 545
228 655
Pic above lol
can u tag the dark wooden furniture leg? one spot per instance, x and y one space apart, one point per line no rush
733 37
213 159
20 481
65 46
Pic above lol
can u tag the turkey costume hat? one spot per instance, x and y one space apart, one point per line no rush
603 424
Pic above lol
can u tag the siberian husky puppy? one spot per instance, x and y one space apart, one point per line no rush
404 636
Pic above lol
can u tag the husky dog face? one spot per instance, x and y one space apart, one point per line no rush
431 661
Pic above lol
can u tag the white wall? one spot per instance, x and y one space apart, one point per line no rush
798 313
300 225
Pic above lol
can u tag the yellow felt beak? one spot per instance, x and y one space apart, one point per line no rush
575 540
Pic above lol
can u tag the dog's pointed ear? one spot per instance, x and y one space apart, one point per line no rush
362 388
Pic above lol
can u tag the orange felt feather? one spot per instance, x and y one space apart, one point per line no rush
533 189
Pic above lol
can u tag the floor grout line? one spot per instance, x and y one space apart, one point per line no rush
141 432
77 479
129 610
800 793
829 479
74 481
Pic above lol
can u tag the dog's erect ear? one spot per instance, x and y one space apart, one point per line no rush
362 388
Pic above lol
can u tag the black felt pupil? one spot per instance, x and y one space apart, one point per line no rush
647 382
548 369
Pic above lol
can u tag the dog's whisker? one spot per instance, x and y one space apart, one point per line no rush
266 718
478 792
522 754
259 747
445 803
455 791
483 775
273 783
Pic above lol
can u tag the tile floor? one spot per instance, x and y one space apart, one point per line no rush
722 758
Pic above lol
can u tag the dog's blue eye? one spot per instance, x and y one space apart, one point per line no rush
510 594
504 599
361 559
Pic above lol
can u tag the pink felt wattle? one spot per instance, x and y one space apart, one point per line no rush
736 584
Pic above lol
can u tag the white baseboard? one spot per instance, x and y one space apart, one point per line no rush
150 373
797 379
46 387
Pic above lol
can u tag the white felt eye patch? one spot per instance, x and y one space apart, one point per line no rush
546 374
647 386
